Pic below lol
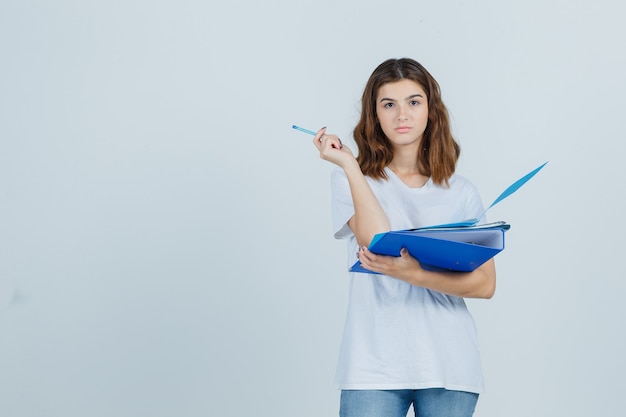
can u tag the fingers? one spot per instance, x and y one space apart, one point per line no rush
317 139
371 261
388 265
365 256
322 138
331 141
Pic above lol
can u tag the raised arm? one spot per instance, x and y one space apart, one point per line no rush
369 217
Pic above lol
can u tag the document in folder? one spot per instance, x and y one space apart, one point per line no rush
460 249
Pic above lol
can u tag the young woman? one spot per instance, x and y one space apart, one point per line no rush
408 337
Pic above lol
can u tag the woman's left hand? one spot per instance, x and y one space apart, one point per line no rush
403 267
480 283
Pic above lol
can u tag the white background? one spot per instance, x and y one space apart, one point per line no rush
165 238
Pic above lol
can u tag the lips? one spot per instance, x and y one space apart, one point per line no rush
402 129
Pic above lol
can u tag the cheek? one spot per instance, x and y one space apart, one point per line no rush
384 119
385 124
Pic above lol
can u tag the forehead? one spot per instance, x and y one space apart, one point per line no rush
400 89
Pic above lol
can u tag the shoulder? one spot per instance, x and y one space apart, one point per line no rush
460 183
467 192
462 188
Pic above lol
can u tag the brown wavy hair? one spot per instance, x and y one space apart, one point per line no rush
440 151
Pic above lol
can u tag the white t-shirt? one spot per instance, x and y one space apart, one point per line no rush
397 335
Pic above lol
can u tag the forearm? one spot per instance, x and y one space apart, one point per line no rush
480 283
369 217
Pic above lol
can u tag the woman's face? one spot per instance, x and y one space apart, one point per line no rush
402 110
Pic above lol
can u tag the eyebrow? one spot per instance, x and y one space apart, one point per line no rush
408 98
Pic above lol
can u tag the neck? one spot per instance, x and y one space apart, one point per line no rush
404 162
405 157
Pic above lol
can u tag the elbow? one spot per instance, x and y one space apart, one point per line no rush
365 239
485 291
489 294
365 235
487 287
489 290
481 294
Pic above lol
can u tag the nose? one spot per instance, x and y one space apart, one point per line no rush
402 113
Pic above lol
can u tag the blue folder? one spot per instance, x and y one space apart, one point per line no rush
462 246
461 249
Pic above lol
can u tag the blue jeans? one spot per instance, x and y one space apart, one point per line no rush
433 402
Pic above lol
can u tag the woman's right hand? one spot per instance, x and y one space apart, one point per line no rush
332 150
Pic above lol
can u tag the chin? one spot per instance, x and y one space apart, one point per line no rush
405 141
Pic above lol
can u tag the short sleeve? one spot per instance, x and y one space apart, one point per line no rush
474 205
342 205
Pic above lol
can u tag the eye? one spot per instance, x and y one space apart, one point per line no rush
388 105
414 102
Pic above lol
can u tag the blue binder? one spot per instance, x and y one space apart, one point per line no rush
461 249
461 246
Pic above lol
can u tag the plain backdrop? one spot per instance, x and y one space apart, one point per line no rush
165 238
